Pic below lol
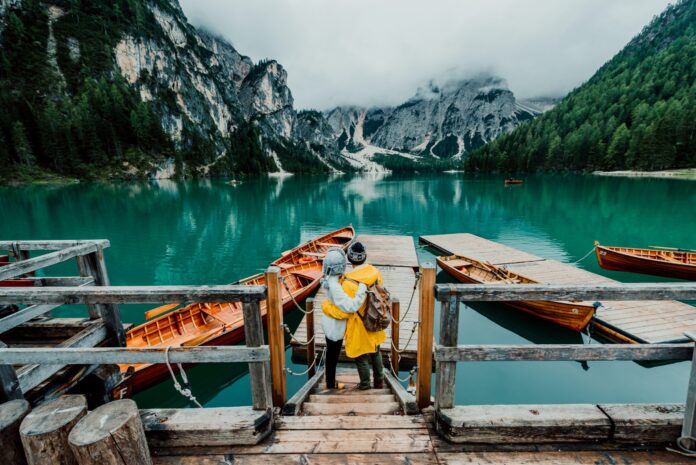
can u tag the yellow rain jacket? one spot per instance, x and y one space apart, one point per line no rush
358 340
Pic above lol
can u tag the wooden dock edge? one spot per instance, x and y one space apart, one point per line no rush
204 428
622 424
294 405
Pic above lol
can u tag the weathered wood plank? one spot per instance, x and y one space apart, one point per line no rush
340 422
446 370
48 281
9 384
51 244
259 372
205 427
315 408
498 424
25 266
304 459
24 315
645 423
405 398
564 352
365 398
613 291
425 335
603 457
130 294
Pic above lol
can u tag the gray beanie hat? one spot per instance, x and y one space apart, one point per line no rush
334 262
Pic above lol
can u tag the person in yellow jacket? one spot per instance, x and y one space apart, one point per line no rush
361 344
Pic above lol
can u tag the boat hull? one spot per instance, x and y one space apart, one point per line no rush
567 314
610 259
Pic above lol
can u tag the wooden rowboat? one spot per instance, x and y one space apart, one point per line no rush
316 248
511 181
223 323
671 263
210 324
572 315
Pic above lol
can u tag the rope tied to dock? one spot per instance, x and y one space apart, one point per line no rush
297 305
184 390
413 331
409 378
683 450
309 367
295 340
584 256
413 293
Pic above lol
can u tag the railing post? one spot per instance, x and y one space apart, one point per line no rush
311 347
276 338
689 425
9 384
396 314
446 372
93 265
259 372
425 334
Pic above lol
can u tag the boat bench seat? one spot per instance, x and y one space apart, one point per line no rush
458 262
313 254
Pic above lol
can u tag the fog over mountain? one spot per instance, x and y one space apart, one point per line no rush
367 53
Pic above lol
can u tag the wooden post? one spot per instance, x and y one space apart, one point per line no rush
396 314
11 415
276 338
93 265
689 424
311 347
425 334
44 431
9 384
446 372
259 372
113 434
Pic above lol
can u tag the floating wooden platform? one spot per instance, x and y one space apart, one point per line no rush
635 321
396 258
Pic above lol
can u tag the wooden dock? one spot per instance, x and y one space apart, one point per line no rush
642 321
396 258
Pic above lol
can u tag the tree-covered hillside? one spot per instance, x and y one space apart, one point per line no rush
637 112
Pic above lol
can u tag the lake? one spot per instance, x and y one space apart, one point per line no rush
208 232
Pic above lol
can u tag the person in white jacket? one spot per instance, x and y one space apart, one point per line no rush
334 267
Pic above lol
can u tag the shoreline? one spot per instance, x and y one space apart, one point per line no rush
686 173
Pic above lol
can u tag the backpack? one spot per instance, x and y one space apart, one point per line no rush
377 313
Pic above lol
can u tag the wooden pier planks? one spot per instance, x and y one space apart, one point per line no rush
635 319
396 258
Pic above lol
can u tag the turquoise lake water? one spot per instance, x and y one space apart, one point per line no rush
208 232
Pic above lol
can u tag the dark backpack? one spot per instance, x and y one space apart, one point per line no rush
377 313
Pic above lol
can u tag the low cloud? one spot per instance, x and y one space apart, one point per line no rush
369 52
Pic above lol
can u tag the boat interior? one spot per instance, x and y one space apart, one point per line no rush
670 256
485 273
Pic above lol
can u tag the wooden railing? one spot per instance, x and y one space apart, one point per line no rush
256 354
447 352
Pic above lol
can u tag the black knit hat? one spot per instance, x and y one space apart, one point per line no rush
357 253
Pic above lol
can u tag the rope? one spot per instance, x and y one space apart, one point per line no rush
282 279
584 256
396 375
321 361
413 331
683 450
186 389
292 337
415 285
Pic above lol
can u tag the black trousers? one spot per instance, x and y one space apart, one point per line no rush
333 350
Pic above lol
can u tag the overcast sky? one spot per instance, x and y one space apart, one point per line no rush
377 52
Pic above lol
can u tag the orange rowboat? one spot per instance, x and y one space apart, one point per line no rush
671 263
212 324
572 315
316 248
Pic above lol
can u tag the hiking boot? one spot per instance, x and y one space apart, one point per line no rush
379 384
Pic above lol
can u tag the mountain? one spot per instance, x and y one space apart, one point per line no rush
128 88
637 112
440 122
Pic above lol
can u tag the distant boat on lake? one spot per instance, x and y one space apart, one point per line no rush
512 181
659 261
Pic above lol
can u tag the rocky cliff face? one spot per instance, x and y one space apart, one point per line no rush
439 121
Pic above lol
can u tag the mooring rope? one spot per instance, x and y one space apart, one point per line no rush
413 331
683 450
184 390
396 375
297 305
415 286
321 362
584 256
292 337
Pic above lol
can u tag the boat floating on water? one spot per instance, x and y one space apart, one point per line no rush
571 315
217 324
660 261
512 182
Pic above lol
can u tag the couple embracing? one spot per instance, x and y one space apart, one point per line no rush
345 310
